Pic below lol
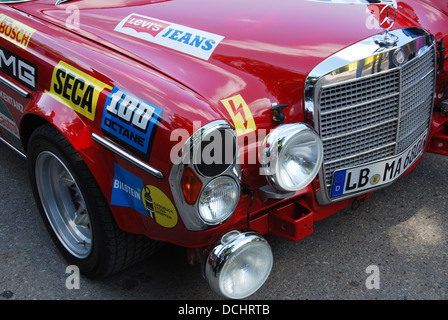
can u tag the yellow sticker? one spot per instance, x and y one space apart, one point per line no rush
15 31
240 113
76 89
159 206
375 179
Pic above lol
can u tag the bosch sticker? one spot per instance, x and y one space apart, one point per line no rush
240 113
76 89
15 31
194 42
129 191
130 122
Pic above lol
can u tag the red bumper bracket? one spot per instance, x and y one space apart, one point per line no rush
292 222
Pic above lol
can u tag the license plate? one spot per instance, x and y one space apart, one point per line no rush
373 175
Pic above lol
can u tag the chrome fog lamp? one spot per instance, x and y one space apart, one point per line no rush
239 265
218 200
291 156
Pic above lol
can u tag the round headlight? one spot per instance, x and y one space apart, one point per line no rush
246 270
292 156
216 152
218 200
239 265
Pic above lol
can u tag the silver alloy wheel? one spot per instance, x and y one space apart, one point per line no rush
64 204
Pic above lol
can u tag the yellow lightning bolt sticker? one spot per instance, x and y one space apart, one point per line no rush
240 113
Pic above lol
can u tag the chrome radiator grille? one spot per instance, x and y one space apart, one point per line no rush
375 116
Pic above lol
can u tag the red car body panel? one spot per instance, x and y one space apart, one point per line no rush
265 56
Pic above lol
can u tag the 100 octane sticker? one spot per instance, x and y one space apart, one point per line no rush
130 122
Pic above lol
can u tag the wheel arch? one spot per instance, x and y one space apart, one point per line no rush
29 123
79 134
74 130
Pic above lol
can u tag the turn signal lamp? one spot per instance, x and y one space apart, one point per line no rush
191 186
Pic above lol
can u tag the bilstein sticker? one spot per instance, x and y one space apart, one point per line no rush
194 42
76 89
15 31
240 113
131 122
128 191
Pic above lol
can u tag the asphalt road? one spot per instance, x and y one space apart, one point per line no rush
402 231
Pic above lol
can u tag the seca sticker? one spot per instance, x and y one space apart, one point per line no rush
76 89
194 42
130 121
15 31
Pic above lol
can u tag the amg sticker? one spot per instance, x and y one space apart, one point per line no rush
194 42
76 89
130 122
18 68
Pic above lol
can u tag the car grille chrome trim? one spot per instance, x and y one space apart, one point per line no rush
371 108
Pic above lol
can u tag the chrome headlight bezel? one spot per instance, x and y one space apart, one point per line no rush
190 156
275 148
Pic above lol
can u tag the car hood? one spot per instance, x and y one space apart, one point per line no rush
235 45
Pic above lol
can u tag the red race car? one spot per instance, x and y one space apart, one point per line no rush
210 124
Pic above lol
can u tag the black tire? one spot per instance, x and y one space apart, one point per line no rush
92 240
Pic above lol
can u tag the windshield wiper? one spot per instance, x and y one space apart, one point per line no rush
58 2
